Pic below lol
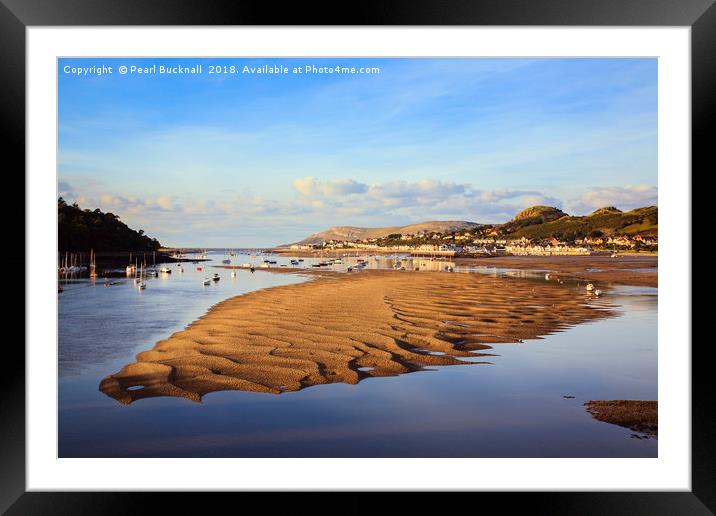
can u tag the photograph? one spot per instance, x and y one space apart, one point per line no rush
357 257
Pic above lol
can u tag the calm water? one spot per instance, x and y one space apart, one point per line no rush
513 407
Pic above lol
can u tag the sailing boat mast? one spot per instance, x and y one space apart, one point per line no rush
93 264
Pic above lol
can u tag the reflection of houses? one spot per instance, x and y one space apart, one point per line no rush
431 264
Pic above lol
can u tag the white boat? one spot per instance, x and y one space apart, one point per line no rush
597 292
233 274
216 277
546 276
140 284
165 270
207 281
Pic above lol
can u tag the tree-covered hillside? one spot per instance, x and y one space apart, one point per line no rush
603 222
81 230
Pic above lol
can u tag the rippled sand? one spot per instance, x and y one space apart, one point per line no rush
346 327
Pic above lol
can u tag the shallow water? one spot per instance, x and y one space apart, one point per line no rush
512 406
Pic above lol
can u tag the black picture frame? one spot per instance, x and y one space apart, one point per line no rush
16 15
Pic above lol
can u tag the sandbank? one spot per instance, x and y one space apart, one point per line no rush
348 327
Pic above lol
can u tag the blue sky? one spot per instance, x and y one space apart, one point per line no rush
261 159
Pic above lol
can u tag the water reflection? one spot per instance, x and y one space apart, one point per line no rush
512 407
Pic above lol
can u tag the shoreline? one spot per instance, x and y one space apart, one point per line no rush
639 416
625 270
641 271
342 328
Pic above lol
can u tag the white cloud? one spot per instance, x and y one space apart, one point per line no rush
623 197
311 187
319 204
401 201
165 202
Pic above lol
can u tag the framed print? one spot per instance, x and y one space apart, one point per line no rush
419 253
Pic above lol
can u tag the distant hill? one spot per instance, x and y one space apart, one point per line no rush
350 233
534 223
545 222
539 214
80 230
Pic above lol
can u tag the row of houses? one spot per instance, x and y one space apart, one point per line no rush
493 246
548 250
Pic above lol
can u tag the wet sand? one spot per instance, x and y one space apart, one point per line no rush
640 416
347 327
626 270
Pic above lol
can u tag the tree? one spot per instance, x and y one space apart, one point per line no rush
82 230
